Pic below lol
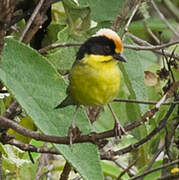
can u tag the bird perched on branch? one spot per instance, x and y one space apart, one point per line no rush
94 79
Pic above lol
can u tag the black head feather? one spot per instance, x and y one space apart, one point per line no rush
99 45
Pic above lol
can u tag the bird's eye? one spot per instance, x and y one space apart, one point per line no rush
107 49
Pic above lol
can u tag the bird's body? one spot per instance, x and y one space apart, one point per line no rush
94 83
95 78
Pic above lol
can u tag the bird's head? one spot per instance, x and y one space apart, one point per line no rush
105 43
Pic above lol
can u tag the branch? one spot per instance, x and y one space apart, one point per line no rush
170 177
31 19
56 45
129 20
128 46
151 47
164 19
10 113
170 136
93 138
156 169
66 171
11 110
31 148
159 51
36 20
132 147
123 14
6 12
143 102
150 164
126 170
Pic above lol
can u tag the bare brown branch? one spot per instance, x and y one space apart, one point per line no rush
31 148
142 102
141 42
156 169
123 14
130 20
30 21
127 46
170 177
132 147
6 13
65 172
164 19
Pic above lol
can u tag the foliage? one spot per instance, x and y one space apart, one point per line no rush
38 83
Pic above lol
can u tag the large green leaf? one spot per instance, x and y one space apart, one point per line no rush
104 10
37 87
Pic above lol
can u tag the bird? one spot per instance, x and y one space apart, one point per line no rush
94 78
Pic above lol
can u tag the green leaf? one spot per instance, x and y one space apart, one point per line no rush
78 15
38 88
112 170
133 74
25 122
155 174
104 10
13 158
56 57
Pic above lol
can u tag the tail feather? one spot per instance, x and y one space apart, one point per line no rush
66 102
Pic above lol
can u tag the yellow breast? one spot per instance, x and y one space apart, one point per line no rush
94 82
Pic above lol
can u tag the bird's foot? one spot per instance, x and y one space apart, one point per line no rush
73 133
119 130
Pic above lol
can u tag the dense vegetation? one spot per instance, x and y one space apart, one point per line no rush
38 43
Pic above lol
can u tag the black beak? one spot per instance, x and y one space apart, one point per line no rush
120 57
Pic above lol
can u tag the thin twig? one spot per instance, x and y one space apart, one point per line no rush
164 19
127 169
133 147
123 14
57 45
168 61
151 33
170 136
143 102
31 148
127 46
153 159
31 19
42 162
151 47
156 169
11 110
130 172
145 43
170 177
10 113
129 20
66 171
